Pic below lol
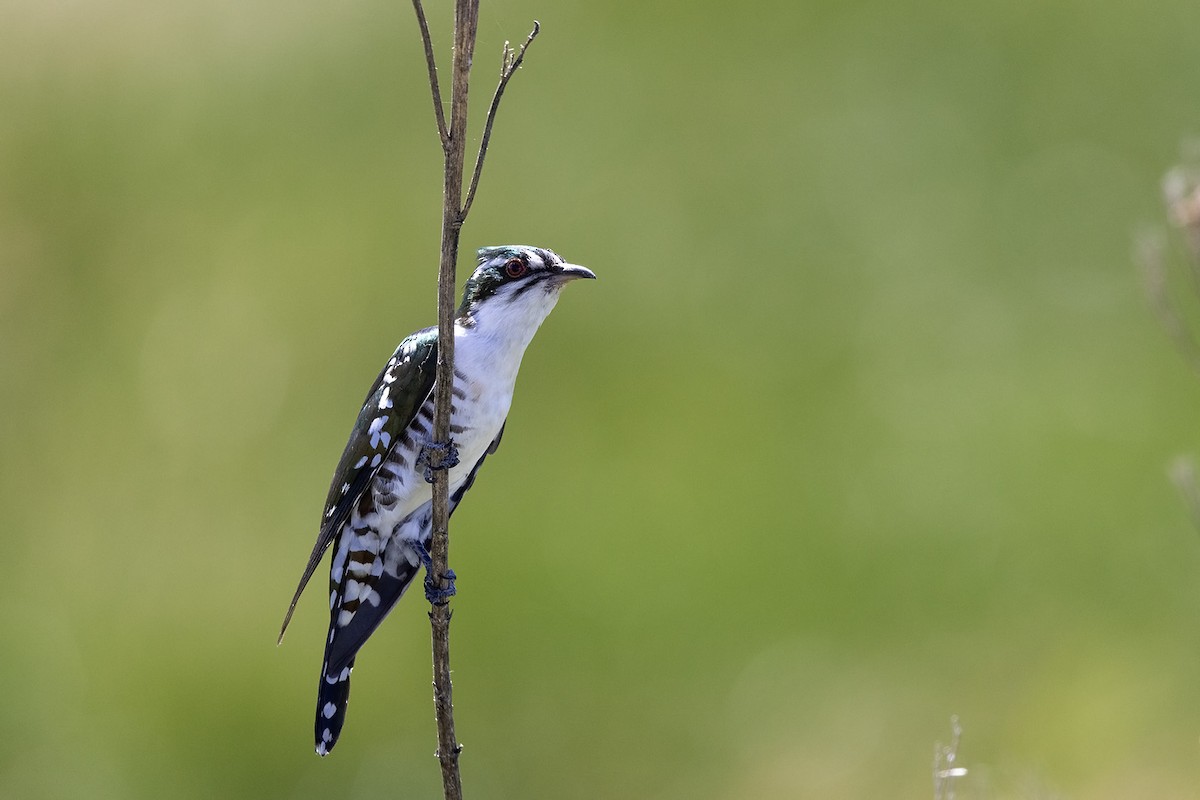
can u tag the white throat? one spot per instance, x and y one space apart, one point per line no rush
494 337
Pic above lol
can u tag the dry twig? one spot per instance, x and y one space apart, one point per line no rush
453 137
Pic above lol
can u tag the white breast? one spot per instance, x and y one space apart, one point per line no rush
487 356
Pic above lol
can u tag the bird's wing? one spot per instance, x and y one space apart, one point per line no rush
352 621
394 399
364 618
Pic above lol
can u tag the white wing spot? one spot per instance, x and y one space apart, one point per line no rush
376 427
376 459
345 488
328 711
385 437
360 463
385 399
332 599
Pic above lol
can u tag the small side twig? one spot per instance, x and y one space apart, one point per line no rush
510 63
431 65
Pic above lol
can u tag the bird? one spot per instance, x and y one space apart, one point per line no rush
377 519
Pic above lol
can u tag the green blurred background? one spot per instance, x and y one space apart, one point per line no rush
865 423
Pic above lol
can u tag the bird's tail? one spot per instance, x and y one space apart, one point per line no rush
333 695
367 592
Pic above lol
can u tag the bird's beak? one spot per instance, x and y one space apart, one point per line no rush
569 272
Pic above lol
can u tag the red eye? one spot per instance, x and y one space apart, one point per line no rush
515 268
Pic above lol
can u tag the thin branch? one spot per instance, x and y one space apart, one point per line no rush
454 212
510 62
433 79
466 23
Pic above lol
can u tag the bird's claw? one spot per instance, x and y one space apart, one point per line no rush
434 593
447 457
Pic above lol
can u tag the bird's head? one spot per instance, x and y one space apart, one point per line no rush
517 282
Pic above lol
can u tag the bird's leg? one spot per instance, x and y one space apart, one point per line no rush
447 457
433 593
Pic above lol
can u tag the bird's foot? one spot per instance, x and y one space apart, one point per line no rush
446 457
434 593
